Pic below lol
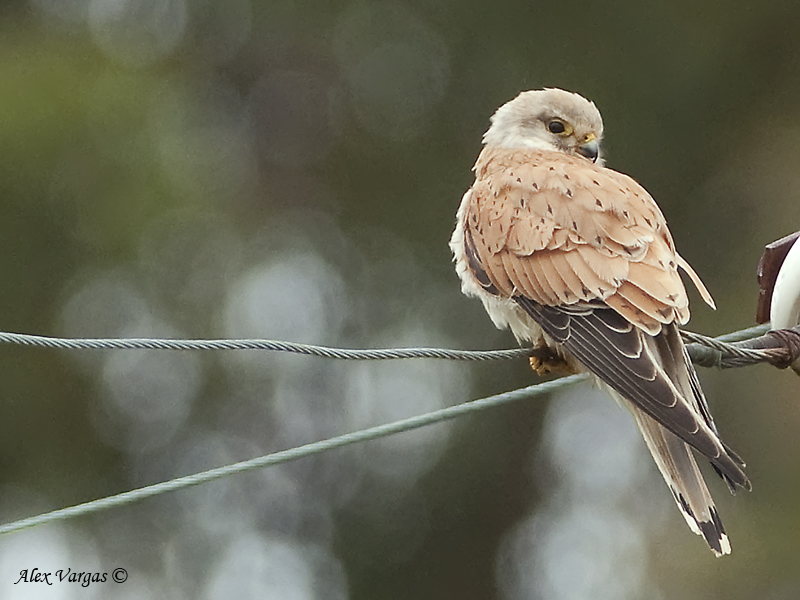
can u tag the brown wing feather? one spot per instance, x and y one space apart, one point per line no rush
601 229
662 285
573 287
591 282
548 273
535 273
645 310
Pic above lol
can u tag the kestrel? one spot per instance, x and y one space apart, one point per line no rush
578 258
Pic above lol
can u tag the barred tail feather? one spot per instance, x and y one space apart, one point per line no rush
676 462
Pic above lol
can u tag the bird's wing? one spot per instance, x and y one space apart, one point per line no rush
586 252
561 230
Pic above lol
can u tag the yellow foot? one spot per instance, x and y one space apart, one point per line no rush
547 361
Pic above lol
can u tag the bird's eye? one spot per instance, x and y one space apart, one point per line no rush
556 127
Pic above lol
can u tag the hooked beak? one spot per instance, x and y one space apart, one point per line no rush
590 148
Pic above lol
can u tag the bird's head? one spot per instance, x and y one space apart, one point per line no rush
548 119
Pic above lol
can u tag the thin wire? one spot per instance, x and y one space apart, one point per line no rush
724 343
720 344
742 334
737 349
291 454
257 344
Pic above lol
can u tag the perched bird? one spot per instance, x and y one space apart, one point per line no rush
577 258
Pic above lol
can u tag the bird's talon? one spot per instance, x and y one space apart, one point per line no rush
546 361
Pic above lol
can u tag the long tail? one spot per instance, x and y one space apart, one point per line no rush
676 462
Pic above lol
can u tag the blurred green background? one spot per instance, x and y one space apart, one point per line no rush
223 168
